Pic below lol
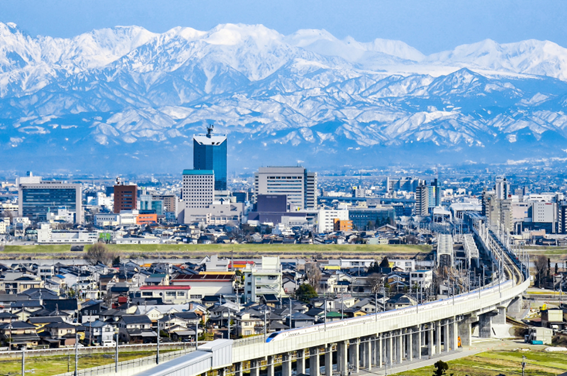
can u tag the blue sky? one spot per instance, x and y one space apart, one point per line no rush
430 26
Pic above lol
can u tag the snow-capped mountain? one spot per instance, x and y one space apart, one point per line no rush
133 99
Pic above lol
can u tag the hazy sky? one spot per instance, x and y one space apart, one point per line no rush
430 26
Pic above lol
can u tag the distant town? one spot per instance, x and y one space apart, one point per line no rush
109 261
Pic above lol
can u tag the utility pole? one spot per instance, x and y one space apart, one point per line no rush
290 313
76 353
376 305
342 306
325 318
116 355
264 324
523 365
228 323
196 335
157 353
24 360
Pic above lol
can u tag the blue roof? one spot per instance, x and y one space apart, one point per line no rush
198 172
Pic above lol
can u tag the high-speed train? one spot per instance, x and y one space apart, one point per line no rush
277 336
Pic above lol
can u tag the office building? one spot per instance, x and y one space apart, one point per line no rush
210 153
198 188
371 218
299 185
422 200
434 194
502 188
36 200
125 197
170 202
407 184
327 219
274 209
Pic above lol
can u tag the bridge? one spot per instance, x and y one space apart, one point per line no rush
373 342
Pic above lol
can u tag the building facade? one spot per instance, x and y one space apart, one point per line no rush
299 185
37 200
125 198
210 153
198 188
422 200
327 217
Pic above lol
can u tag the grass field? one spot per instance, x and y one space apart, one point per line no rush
502 362
57 364
260 249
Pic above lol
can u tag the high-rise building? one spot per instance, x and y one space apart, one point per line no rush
198 188
36 200
299 185
408 184
125 197
502 189
210 153
422 200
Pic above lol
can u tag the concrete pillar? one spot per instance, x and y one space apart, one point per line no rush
430 340
515 306
238 369
485 325
455 334
399 349
270 366
286 364
447 335
379 351
410 344
329 360
390 349
300 361
342 361
437 337
416 341
314 364
500 318
354 352
465 332
255 367
368 354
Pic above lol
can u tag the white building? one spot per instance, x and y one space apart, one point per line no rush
266 280
125 218
326 219
421 278
544 212
198 188
218 213
296 183
46 236
4 223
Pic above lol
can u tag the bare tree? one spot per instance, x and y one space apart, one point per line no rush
313 274
99 252
375 282
540 264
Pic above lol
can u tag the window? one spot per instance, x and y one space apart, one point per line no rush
170 293
146 293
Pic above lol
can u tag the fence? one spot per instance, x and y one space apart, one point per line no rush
130 367
95 349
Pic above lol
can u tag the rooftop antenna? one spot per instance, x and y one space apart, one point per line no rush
210 128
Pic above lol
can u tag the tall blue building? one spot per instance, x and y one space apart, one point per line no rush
209 153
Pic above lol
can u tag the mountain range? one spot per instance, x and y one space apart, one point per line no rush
127 99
